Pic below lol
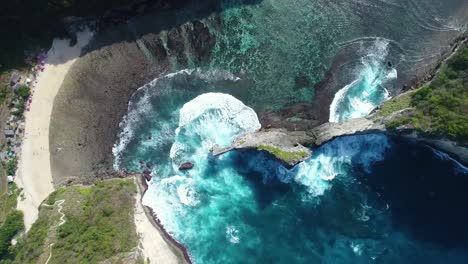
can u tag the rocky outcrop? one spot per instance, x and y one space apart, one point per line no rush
285 145
292 147
186 166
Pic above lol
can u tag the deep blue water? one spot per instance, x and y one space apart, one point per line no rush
359 199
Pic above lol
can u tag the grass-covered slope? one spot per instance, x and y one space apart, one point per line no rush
98 228
439 108
283 155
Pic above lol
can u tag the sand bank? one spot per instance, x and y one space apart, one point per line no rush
34 172
152 243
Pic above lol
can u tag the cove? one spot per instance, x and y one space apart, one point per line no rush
346 204
358 199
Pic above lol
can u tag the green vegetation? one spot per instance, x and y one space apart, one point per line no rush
23 92
19 99
4 93
440 108
401 102
11 227
11 166
285 156
99 226
8 201
11 221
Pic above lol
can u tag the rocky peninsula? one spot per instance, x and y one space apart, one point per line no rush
292 147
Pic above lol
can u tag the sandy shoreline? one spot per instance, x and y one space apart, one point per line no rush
34 172
153 243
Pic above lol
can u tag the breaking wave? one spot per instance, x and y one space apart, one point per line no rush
337 158
158 99
367 91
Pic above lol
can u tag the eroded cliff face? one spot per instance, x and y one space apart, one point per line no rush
95 93
293 147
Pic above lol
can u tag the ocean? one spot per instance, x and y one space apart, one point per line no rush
358 199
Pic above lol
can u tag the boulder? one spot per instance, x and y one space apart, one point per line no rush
186 166
15 78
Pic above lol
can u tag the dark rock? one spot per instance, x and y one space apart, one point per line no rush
186 166
201 40
147 176
15 78
176 46
148 165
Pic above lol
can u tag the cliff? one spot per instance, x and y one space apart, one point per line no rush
434 114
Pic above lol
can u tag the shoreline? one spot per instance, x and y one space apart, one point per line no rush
37 183
414 84
86 127
178 249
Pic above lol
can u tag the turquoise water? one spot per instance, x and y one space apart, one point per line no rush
244 207
360 199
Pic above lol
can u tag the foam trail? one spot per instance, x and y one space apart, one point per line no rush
336 158
361 96
444 156
140 106
210 118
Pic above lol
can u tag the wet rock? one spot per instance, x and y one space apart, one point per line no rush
186 166
147 177
201 41
15 78
176 46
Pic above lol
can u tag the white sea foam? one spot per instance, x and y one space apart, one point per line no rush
229 108
336 158
444 156
361 96
140 103
338 100
232 235
357 248
212 118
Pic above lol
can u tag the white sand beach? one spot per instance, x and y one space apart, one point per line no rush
153 245
34 173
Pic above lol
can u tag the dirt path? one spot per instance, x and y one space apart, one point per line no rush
62 221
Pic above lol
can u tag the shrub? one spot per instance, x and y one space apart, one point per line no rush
441 107
12 226
23 92
3 94
11 166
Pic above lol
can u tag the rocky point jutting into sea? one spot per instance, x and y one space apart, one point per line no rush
165 87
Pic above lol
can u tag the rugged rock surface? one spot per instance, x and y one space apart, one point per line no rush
284 145
186 166
280 142
95 93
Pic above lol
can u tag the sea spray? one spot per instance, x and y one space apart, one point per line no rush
209 119
337 158
153 108
367 91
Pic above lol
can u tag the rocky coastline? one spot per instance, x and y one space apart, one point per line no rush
95 95
289 141
280 140
177 247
